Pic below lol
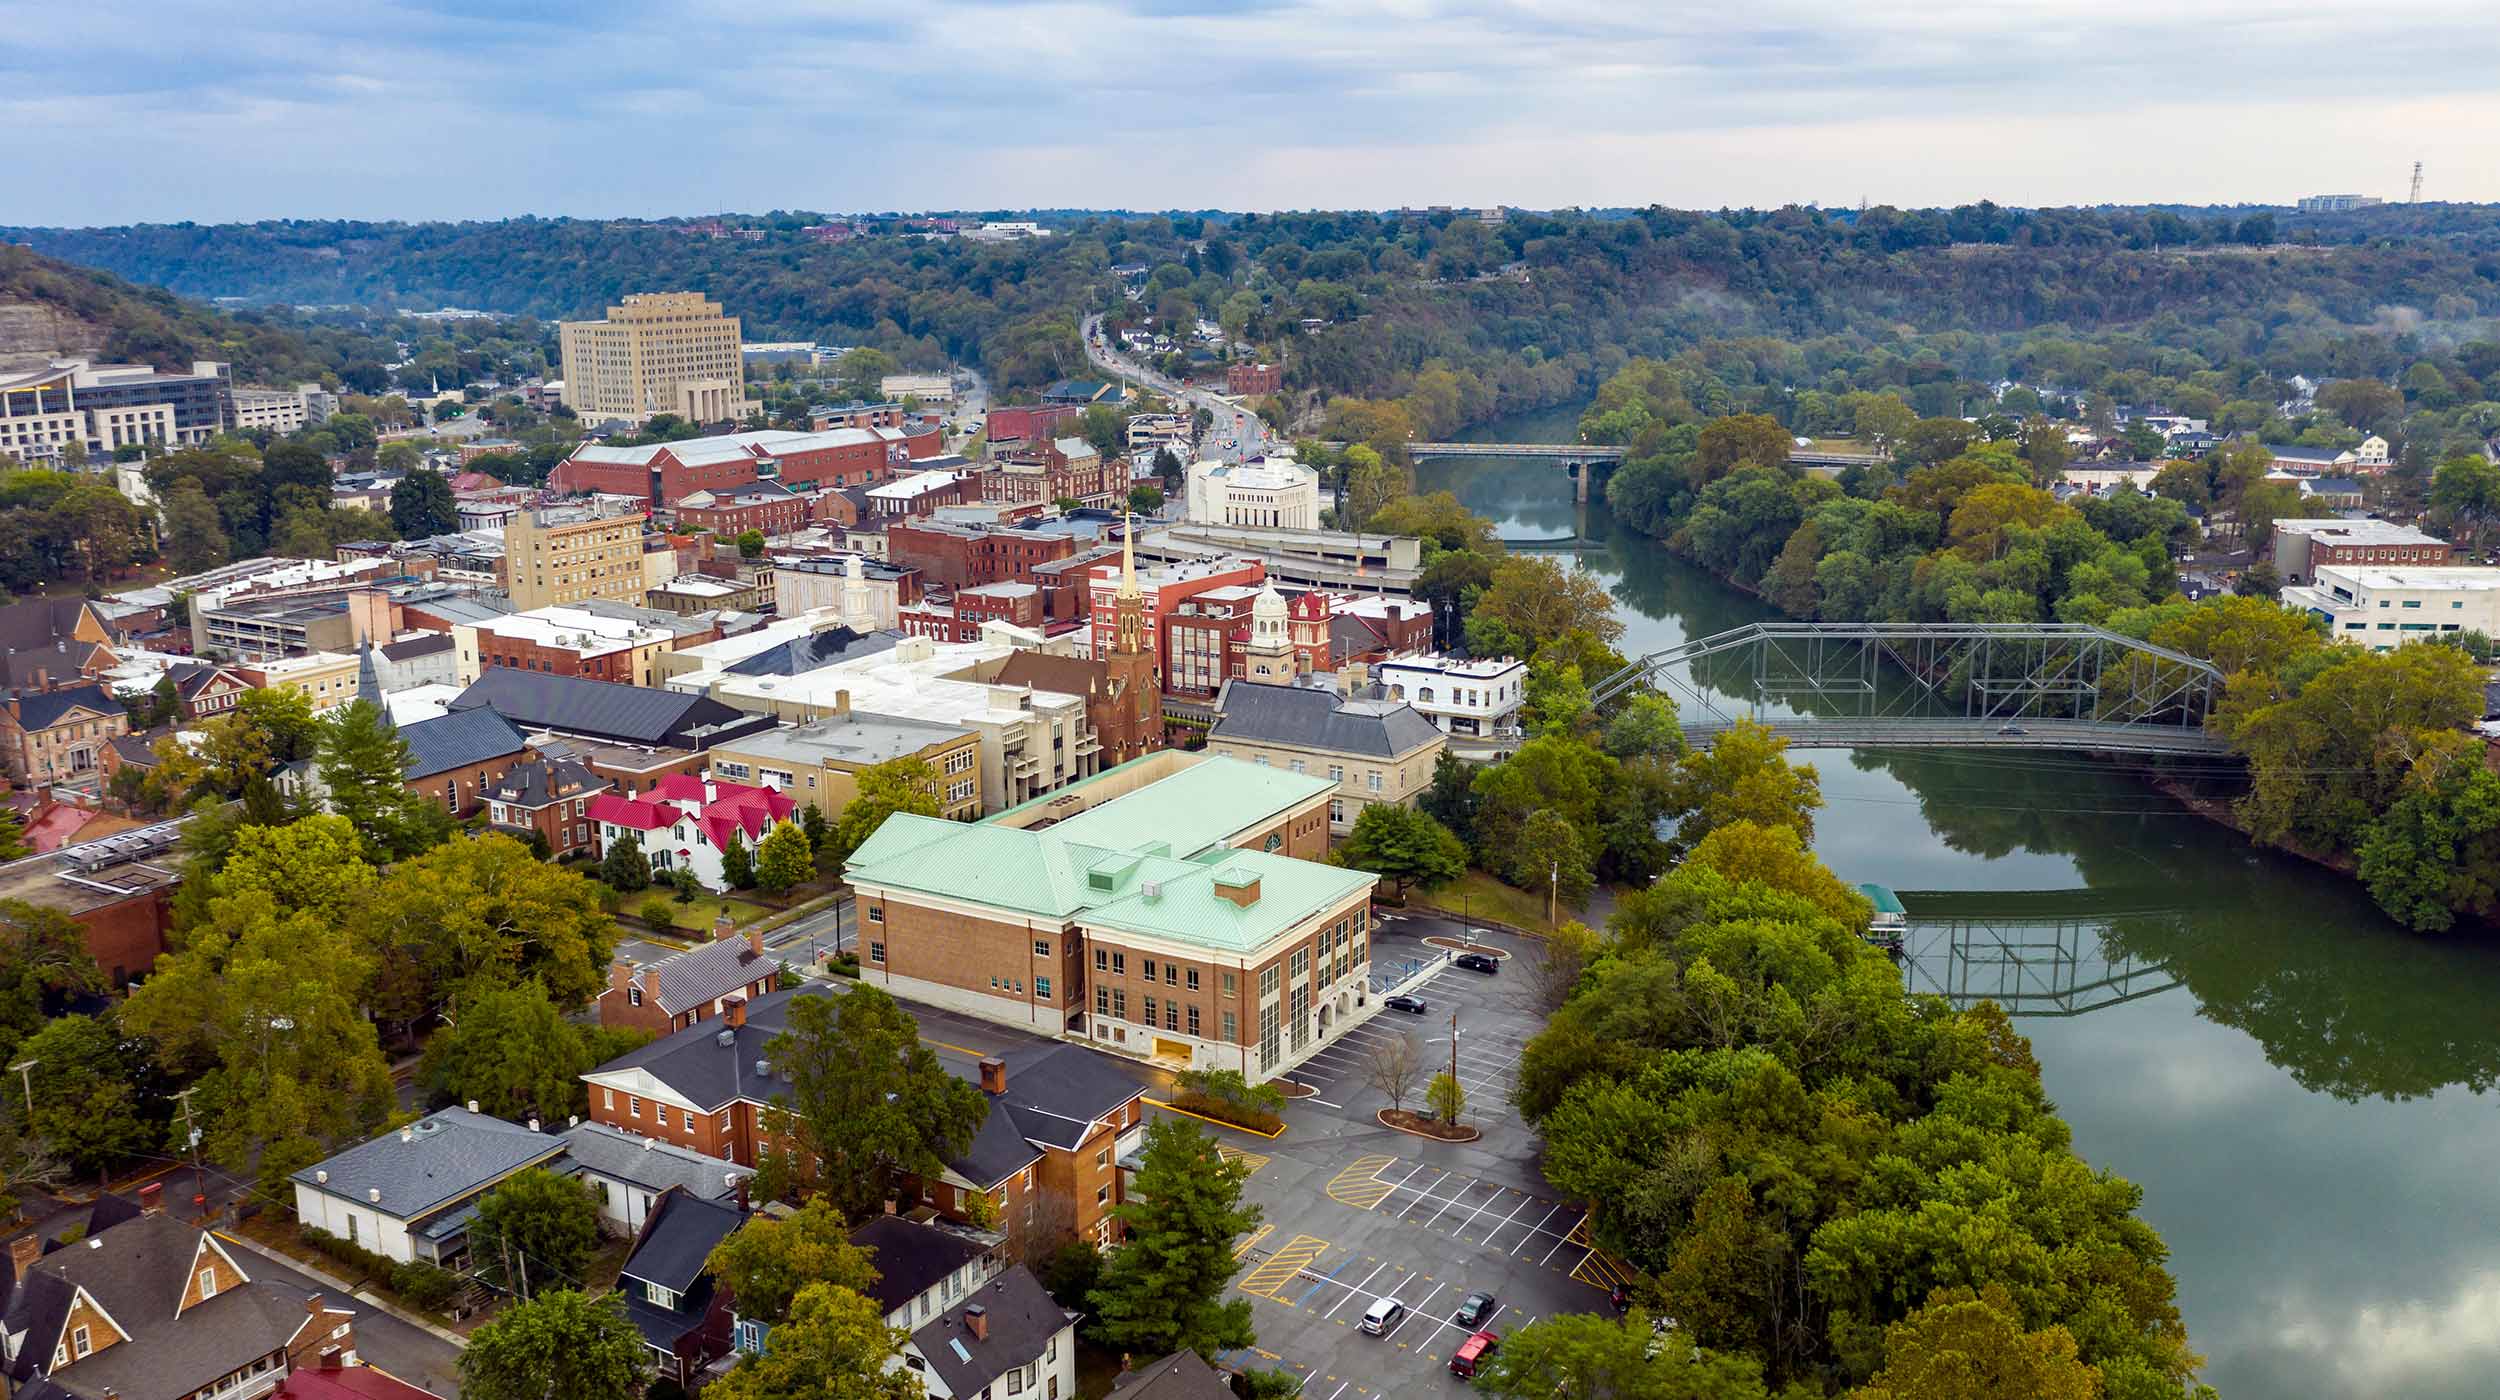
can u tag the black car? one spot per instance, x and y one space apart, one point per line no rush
1413 1006
1477 962
1474 1311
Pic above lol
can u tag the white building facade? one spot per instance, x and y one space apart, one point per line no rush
1459 696
1276 492
2384 608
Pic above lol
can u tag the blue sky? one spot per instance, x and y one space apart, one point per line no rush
132 110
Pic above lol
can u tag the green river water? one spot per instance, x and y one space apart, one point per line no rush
2302 1090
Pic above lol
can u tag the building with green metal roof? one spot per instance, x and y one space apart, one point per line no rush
1177 907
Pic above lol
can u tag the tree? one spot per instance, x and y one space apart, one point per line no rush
1404 846
310 866
1583 1354
1645 726
1144 499
1966 1345
480 913
819 831
1744 775
2436 852
1533 600
1447 1096
92 1092
1741 439
1392 1067
1163 1290
896 785
785 858
737 864
1551 856
2466 490
624 868
559 1345
422 506
766 1263
512 1053
43 956
834 1344
364 768
869 1101
1555 968
536 1231
194 534
1370 483
750 544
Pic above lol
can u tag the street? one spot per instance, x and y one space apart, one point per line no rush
1236 435
401 1348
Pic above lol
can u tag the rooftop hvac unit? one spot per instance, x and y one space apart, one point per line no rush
725 1039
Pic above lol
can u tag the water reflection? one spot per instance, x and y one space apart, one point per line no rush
2305 1105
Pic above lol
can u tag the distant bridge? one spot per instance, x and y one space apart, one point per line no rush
1949 684
1577 458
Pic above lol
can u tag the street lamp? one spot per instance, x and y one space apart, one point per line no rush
26 1073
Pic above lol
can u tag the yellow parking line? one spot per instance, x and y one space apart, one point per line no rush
1253 1241
1601 1270
1281 1267
1360 1185
1231 1153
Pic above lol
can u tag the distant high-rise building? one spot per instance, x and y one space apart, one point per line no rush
571 555
2338 203
660 352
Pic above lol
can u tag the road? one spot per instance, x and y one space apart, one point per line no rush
1237 434
401 1348
972 406
826 930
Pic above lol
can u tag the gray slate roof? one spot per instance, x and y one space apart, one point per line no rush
1180 1376
457 740
45 710
649 1163
1021 1321
678 1238
603 709
719 967
448 1154
1310 718
800 655
911 1258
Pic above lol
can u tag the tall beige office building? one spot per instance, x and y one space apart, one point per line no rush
571 555
661 352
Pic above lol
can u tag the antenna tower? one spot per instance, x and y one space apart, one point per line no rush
2416 196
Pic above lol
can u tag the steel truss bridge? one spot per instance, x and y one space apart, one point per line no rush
1933 685
2033 952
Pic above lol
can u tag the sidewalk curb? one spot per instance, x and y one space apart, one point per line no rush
329 1280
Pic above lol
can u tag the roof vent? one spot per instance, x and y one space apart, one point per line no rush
725 1039
650 1143
374 1194
95 1242
763 1069
322 1177
473 1105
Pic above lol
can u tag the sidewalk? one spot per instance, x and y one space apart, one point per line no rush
331 1280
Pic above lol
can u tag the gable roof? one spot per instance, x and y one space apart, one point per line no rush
800 655
457 740
443 1157
49 708
606 709
649 1163
346 1383
1181 1376
699 975
679 1236
1310 718
63 660
911 1258
1063 675
535 779
1021 1319
39 622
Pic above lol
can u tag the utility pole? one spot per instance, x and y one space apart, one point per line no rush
191 1137
2416 196
26 1072
1553 884
1453 1045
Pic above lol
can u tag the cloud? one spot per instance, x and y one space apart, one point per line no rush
149 109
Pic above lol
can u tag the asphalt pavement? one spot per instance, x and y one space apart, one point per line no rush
392 1344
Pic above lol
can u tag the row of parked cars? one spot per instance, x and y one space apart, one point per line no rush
1474 1310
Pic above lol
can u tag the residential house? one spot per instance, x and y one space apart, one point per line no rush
684 823
208 689
1459 695
1183 1375
1176 906
1008 1341
683 988
546 796
923 1269
58 737
144 1307
412 1194
670 1297
631 1173
1371 750
67 639
332 1382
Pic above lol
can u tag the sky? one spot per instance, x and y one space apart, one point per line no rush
127 111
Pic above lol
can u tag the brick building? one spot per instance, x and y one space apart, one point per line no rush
967 556
1176 907
1059 469
59 736
1254 379
664 474
1006 425
2301 547
1162 590
549 797
457 758
916 494
959 619
581 642
677 991
767 507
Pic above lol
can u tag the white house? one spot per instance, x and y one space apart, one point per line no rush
684 822
1459 696
1005 1341
631 1173
407 1195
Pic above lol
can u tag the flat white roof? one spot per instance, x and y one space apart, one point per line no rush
1454 665
2360 531
912 487
2455 579
575 629
910 682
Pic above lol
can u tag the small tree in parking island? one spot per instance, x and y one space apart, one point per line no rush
1164 1289
1447 1097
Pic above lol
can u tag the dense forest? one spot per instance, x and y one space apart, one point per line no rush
1533 310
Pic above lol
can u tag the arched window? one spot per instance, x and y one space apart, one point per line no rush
1424 695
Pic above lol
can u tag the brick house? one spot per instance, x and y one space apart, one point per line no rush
677 991
59 736
207 689
548 796
1047 1155
764 506
457 758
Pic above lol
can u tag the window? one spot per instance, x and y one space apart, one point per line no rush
633 1105
2413 602
1041 988
1232 1028
1193 979
1336 772
660 1297
1193 1018
876 952
1041 948
1172 975
1102 1195
633 996
876 913
1301 962
1150 969
1228 984
1267 982
1297 765
1150 1011
1119 964
659 1112
1375 780
1102 960
79 1341
1119 1002
1102 1000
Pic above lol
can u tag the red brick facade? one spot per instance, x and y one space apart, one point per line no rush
960 557
779 513
673 471
2323 551
1254 379
1022 424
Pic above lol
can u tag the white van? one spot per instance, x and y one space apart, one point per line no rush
1382 1315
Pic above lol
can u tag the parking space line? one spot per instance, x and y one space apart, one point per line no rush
1532 1230
1525 1201
1252 1241
1454 1200
1569 1236
1415 1310
1353 1289
1460 1229
1420 1169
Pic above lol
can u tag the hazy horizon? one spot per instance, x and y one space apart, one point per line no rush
129 113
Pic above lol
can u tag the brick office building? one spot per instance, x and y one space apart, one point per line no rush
1177 907
967 556
767 507
666 473
959 619
1163 591
1006 425
1254 379
1060 469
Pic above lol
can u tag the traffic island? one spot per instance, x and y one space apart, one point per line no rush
1461 945
1423 1126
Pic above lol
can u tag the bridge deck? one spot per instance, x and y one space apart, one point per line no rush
1973 734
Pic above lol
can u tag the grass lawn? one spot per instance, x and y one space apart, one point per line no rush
697 917
1480 896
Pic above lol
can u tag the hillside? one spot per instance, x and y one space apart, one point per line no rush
50 308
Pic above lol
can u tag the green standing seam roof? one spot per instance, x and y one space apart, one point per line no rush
1884 900
1193 809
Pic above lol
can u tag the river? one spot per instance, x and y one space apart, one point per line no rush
2301 1089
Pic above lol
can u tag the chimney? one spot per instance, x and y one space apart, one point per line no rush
152 1198
724 927
977 1322
473 1105
742 1195
755 940
24 1251
734 1011
312 1305
993 1075
651 987
1239 886
533 1125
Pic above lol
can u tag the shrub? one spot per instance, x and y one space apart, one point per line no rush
347 1252
655 912
424 1285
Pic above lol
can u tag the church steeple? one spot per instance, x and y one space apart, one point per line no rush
1130 626
369 684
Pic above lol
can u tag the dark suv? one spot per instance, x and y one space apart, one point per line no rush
1474 1311
1478 962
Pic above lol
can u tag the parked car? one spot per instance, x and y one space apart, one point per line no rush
1474 1311
1478 962
1413 1006
1471 1354
1382 1315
